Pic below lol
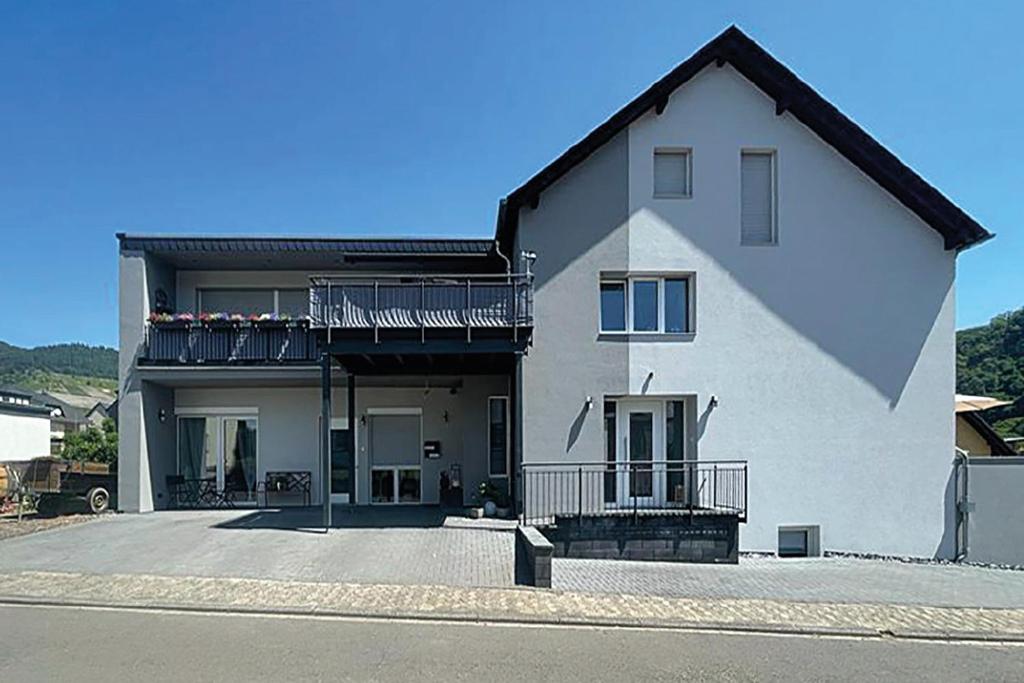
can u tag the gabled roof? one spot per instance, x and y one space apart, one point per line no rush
790 94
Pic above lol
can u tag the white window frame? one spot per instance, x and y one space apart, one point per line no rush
276 291
219 414
687 192
629 280
394 468
508 464
774 154
626 307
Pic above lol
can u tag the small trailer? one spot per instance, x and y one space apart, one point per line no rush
62 484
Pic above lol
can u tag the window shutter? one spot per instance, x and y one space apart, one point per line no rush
757 198
671 174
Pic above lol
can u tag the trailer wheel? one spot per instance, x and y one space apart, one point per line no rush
98 500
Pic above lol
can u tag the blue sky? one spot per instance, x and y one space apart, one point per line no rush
414 118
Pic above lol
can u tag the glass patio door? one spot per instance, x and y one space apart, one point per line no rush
222 451
641 453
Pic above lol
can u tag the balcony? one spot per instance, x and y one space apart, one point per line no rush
183 342
458 302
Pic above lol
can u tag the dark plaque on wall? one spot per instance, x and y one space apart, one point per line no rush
431 450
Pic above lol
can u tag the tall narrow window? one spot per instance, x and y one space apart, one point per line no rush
610 441
645 305
757 198
672 173
497 435
676 306
613 306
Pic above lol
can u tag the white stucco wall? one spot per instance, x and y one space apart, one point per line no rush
831 354
24 436
289 418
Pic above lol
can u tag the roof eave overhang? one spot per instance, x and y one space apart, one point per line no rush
958 230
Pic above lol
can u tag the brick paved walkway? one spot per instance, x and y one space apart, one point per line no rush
496 604
841 580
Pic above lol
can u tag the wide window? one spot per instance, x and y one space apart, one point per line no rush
757 198
647 304
254 301
497 436
219 452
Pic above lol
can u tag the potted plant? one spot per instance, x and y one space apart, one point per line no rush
495 500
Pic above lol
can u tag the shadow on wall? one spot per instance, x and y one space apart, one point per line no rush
946 550
869 305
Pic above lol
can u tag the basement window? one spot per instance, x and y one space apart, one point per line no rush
799 541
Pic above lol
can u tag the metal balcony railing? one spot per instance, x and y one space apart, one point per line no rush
217 343
578 489
422 302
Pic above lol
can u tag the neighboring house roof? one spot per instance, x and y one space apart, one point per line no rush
14 391
965 403
21 409
985 431
791 95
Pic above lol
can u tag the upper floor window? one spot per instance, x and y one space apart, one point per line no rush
672 172
253 301
647 304
758 215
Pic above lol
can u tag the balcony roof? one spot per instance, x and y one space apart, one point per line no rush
246 252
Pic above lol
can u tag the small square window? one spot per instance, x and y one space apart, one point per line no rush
672 173
613 306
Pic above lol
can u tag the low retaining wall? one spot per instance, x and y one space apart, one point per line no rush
712 538
533 558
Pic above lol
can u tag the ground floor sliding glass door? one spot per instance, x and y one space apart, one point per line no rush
395 451
220 451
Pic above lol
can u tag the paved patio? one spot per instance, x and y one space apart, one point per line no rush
382 545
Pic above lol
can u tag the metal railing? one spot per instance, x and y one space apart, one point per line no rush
178 343
421 302
578 489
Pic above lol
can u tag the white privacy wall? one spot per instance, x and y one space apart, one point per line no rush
831 354
24 436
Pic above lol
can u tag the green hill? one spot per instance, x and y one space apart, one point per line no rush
59 367
990 362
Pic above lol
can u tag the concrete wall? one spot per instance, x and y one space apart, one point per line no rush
289 418
23 436
995 527
831 353
142 439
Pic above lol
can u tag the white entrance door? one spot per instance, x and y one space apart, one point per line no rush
641 453
395 450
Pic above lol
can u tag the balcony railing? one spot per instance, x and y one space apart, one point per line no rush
434 302
217 343
576 489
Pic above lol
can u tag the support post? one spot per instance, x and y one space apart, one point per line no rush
325 436
351 439
513 434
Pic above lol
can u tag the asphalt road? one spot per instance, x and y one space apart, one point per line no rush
51 643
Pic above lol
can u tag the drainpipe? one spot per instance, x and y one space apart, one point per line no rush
508 264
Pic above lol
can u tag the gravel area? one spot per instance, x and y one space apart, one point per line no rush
10 527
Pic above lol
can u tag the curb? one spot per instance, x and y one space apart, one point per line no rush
718 627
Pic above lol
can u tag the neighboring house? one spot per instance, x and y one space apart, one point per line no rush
24 426
1016 443
727 269
974 435
74 413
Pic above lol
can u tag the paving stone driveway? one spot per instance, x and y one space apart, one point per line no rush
393 545
835 580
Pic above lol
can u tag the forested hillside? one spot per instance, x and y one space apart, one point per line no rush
990 362
65 365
